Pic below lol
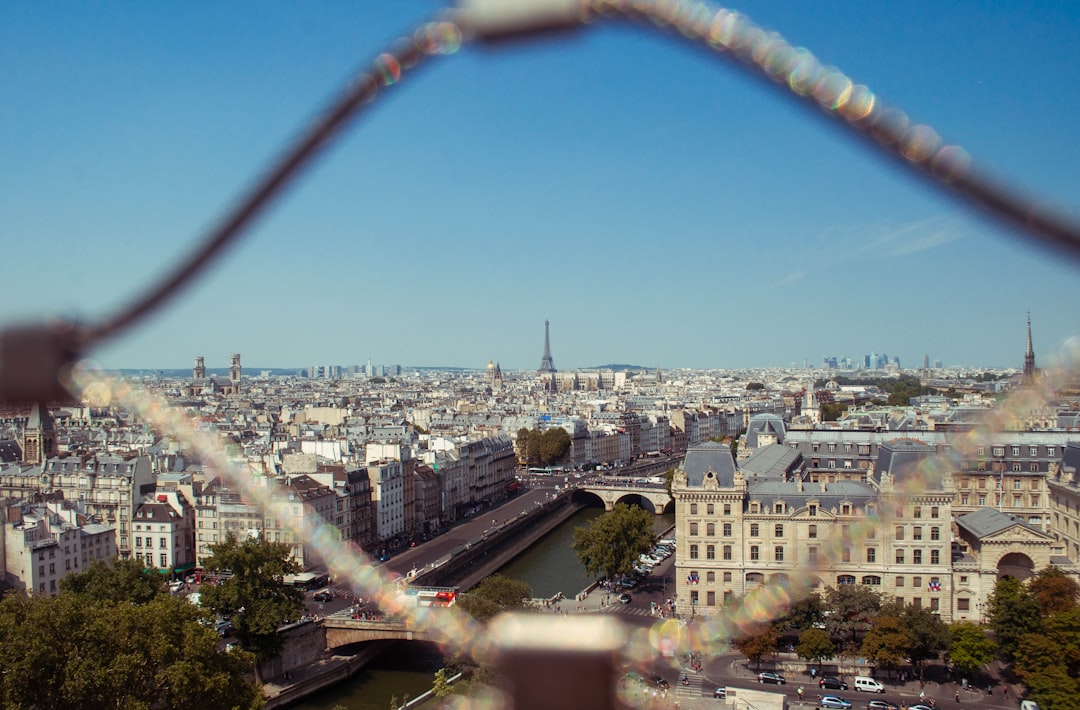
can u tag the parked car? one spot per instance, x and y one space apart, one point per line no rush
830 683
624 598
881 705
720 693
323 595
661 683
770 677
834 701
919 706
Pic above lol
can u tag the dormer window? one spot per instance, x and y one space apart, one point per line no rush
778 508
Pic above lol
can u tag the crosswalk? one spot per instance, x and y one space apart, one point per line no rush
626 611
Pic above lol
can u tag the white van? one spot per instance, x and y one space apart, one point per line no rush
868 685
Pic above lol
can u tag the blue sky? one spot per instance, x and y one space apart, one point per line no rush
657 205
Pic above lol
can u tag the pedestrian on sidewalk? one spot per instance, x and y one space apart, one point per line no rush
957 696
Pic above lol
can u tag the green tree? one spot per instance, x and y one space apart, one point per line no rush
611 544
754 386
669 478
1053 590
758 644
494 595
1013 612
851 608
815 645
928 635
441 686
886 643
554 443
80 651
116 581
256 597
831 412
971 647
806 613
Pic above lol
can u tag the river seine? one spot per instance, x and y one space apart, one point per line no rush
548 567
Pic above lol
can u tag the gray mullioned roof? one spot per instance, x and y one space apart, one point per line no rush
905 459
771 462
764 424
855 492
709 456
985 522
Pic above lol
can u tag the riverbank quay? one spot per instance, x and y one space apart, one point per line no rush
305 666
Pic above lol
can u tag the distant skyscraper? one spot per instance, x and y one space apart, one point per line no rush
547 365
926 361
1029 357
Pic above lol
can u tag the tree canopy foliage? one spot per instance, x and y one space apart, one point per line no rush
971 648
1047 656
815 645
90 647
117 581
610 544
758 643
256 597
1013 612
1053 591
494 595
852 609
543 447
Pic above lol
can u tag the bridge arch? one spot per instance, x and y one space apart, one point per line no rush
588 498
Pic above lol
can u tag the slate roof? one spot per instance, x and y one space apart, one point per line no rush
9 451
764 424
709 456
908 459
771 462
857 493
985 522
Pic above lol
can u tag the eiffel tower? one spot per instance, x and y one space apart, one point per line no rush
547 365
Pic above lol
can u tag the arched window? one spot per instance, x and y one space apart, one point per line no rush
845 579
871 579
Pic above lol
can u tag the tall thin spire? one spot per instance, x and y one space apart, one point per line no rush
1029 357
547 365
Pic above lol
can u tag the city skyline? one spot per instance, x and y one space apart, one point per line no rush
657 206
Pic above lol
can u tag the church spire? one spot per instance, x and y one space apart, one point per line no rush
1029 357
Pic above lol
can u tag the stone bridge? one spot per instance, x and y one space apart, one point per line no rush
611 493
342 630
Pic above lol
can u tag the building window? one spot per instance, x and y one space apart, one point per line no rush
727 552
1034 467
916 533
727 529
813 510
1016 451
779 530
812 555
710 576
1016 483
845 579
710 598
693 529
872 580
899 557
963 604
999 451
982 500
916 582
845 554
693 509
813 532
916 557
693 552
963 579
693 598
1017 466
935 557
935 533
755 530
755 555
1050 451
934 603
710 552
899 581
917 512
778 508
778 554
965 500
899 532
138 542
710 530
845 509
934 512
727 508
871 554
727 577
709 509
